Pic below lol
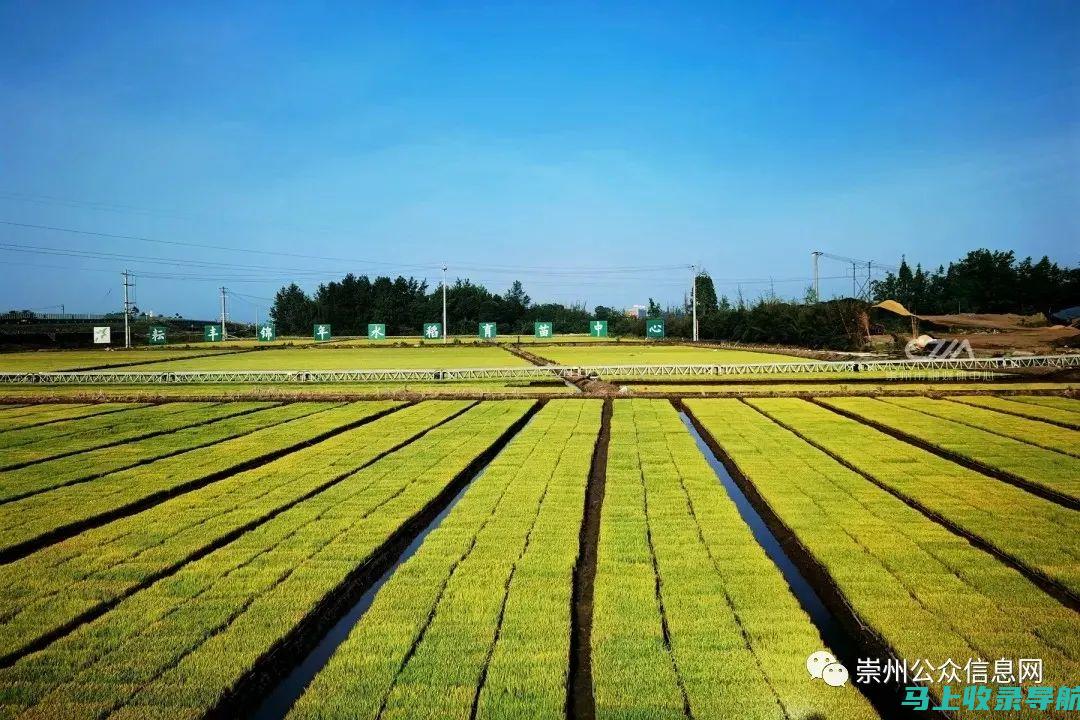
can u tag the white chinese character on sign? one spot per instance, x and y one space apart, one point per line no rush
1003 672
949 672
157 335
868 670
920 671
322 332
598 326
896 671
1031 670
432 331
265 332
977 672
543 330
377 332
487 329
102 335
212 332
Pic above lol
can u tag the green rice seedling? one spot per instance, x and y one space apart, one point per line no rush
1013 407
172 649
347 358
70 360
1010 427
49 588
481 613
81 426
41 516
690 613
921 419
36 415
69 469
1036 533
1061 403
901 573
36 444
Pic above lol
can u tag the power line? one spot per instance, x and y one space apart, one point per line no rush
554 270
860 263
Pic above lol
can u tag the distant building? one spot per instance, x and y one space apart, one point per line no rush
636 311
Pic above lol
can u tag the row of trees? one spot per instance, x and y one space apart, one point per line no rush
405 304
984 281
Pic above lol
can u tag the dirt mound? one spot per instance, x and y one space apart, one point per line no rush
1004 321
1034 340
983 321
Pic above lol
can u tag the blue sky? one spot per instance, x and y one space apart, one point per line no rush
538 141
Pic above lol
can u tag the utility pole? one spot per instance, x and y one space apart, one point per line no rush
817 277
223 290
854 290
693 298
444 329
127 307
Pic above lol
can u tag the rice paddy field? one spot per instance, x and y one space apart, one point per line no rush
504 550
626 354
68 360
626 558
345 358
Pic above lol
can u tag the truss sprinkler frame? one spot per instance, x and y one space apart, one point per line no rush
534 372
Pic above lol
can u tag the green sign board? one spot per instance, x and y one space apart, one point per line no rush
211 333
321 332
487 331
542 330
432 331
376 331
157 335
267 333
598 328
654 328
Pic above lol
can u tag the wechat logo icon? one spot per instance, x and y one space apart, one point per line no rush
823 665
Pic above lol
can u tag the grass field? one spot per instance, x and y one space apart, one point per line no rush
514 558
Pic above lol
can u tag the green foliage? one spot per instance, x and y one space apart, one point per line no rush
984 281
675 555
174 648
928 592
831 325
104 564
500 565
405 304
1036 533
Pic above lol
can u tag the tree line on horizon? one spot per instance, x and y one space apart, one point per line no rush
983 281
